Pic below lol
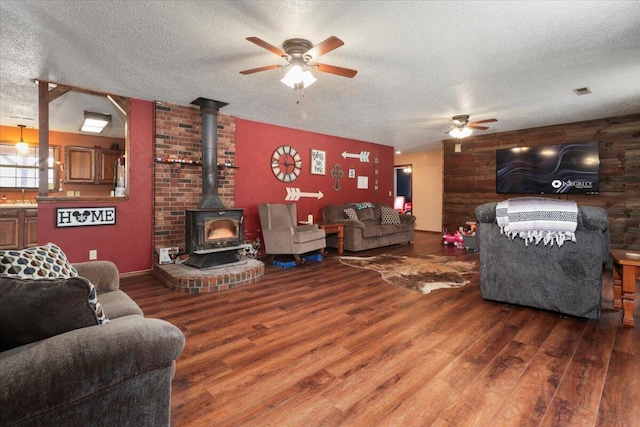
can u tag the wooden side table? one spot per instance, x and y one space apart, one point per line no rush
330 228
625 273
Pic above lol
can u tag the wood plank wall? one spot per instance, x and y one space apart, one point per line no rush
470 176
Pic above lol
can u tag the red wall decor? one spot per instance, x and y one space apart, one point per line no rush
128 242
255 182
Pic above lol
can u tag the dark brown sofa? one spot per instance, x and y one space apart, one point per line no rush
367 232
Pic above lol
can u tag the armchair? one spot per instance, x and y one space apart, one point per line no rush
566 279
282 235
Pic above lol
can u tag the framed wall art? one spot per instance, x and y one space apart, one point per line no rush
81 217
318 162
363 183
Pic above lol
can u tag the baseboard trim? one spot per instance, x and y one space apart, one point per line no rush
135 274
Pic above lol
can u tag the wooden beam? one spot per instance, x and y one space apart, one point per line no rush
120 102
43 139
57 91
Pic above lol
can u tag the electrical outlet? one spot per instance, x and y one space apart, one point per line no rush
93 254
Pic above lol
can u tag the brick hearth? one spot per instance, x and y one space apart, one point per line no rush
182 278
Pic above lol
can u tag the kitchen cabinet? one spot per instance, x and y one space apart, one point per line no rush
107 165
86 165
79 165
18 228
30 234
9 228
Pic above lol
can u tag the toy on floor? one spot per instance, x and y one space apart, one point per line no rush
457 239
305 257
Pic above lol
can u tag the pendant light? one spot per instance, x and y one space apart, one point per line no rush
22 146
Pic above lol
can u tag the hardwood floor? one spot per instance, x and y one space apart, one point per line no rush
324 344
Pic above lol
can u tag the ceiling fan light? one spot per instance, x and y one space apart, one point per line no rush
293 76
298 79
460 132
308 79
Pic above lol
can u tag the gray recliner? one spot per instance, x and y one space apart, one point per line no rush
282 235
566 279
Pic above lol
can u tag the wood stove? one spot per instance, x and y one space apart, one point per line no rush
213 236
209 229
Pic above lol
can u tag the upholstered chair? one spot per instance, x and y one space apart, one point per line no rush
282 234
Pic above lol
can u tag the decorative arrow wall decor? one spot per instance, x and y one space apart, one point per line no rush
363 156
294 194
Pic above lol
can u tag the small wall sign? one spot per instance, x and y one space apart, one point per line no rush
363 182
82 217
318 162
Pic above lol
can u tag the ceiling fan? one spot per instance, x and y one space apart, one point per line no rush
462 128
300 55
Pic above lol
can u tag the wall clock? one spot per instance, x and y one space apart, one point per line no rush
286 163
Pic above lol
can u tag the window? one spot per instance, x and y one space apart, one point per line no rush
21 170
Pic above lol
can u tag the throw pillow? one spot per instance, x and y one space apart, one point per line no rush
39 262
366 214
351 214
32 310
362 205
46 268
389 216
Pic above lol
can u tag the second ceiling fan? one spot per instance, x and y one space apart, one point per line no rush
301 54
462 128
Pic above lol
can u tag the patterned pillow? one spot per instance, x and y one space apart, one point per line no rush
363 205
39 262
46 262
389 216
351 214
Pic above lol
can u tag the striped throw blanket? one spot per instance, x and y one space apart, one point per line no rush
536 219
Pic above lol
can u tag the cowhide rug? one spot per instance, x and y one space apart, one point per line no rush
422 273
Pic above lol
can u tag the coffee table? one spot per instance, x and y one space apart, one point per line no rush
626 269
330 228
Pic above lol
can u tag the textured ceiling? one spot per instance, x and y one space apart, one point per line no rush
418 62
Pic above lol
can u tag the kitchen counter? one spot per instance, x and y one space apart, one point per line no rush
18 205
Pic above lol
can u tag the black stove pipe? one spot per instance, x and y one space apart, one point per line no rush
209 111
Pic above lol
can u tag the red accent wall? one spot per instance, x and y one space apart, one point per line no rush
128 242
255 182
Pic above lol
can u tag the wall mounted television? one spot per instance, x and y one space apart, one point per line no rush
561 169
